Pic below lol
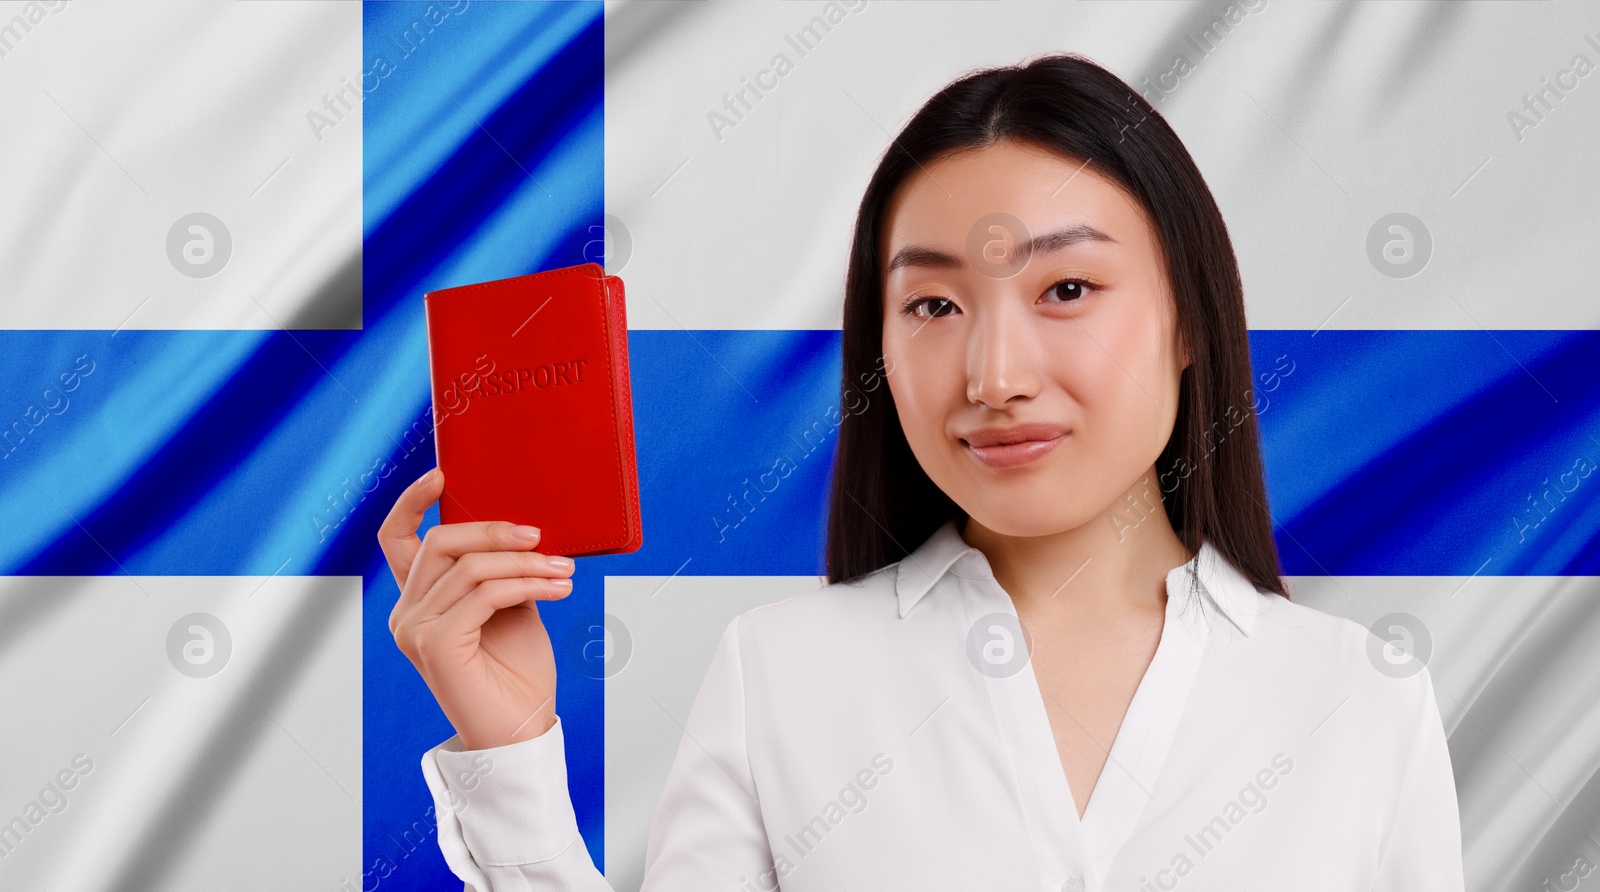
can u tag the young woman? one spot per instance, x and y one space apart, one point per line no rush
1054 652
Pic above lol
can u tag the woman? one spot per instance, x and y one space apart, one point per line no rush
1086 673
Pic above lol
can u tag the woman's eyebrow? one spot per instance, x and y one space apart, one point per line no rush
933 258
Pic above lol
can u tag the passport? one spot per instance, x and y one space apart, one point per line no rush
533 412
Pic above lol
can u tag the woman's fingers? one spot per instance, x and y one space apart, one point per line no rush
476 607
476 568
397 535
447 543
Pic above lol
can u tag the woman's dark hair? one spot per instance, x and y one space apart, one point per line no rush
882 504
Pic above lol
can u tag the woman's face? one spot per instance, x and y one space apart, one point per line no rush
1076 336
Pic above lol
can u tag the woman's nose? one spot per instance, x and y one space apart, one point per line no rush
1002 356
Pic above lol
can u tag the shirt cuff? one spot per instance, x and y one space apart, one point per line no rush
511 802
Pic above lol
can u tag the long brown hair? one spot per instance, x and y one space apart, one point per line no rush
881 503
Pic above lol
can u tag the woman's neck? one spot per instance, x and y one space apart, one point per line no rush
1117 561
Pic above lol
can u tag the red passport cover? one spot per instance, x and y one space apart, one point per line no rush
533 414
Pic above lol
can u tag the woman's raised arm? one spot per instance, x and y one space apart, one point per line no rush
467 619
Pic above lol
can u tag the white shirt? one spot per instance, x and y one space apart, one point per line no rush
877 735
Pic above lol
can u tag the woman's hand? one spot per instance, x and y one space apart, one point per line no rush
467 618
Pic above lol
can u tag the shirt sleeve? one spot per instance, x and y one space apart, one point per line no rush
708 832
1422 852
506 824
504 817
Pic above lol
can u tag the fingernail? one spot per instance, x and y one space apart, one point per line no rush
562 582
561 563
523 531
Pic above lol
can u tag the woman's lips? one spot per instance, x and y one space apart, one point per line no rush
1011 455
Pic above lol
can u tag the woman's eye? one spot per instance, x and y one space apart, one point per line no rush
1070 289
938 306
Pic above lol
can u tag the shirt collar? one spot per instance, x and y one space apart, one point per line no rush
1225 589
